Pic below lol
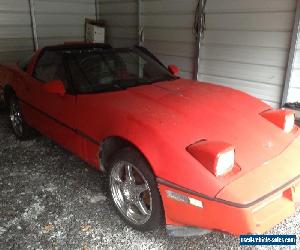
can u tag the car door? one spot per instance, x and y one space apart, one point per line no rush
52 114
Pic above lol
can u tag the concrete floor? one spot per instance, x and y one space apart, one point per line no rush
52 200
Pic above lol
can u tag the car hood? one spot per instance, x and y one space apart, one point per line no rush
181 112
187 111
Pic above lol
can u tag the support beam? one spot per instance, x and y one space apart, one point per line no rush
96 10
197 58
292 54
33 25
140 28
199 28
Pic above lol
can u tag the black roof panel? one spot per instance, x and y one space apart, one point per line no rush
82 45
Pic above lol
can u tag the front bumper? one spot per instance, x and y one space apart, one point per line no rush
252 204
215 215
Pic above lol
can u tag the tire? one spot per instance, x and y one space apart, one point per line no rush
2 101
140 209
20 128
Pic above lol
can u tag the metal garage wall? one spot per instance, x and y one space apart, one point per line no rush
167 28
168 33
247 45
294 91
62 20
121 20
15 30
57 21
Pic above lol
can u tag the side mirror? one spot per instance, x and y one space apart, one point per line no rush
55 87
173 69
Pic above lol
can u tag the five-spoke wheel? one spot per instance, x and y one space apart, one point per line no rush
19 126
133 190
15 116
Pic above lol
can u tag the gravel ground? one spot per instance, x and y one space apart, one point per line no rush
52 200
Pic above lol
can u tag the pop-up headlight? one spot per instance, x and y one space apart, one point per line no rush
217 157
282 118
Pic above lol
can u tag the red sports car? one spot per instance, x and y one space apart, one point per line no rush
190 155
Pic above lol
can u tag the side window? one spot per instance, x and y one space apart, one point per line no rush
50 67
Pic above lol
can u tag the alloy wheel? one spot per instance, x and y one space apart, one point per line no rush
16 117
131 192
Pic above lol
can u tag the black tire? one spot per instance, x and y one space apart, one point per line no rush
2 101
132 156
22 131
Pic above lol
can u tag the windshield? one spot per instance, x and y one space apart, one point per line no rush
105 70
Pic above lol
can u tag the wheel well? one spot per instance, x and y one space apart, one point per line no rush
110 146
8 91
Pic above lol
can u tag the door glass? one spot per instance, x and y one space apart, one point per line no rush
50 67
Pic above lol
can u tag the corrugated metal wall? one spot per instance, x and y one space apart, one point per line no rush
167 28
121 20
15 30
294 91
57 21
247 45
62 20
169 32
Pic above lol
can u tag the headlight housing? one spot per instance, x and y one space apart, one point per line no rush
289 123
282 118
217 157
225 162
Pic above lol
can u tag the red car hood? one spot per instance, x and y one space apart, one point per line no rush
182 112
185 111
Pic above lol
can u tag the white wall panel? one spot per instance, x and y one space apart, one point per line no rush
180 49
121 20
241 71
294 90
60 21
165 20
246 45
297 59
248 38
15 31
250 6
169 32
261 21
247 55
117 7
57 21
169 6
295 79
74 7
169 35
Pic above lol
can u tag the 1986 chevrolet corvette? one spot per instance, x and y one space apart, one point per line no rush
190 155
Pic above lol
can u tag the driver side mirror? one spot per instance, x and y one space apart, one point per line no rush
173 69
55 87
